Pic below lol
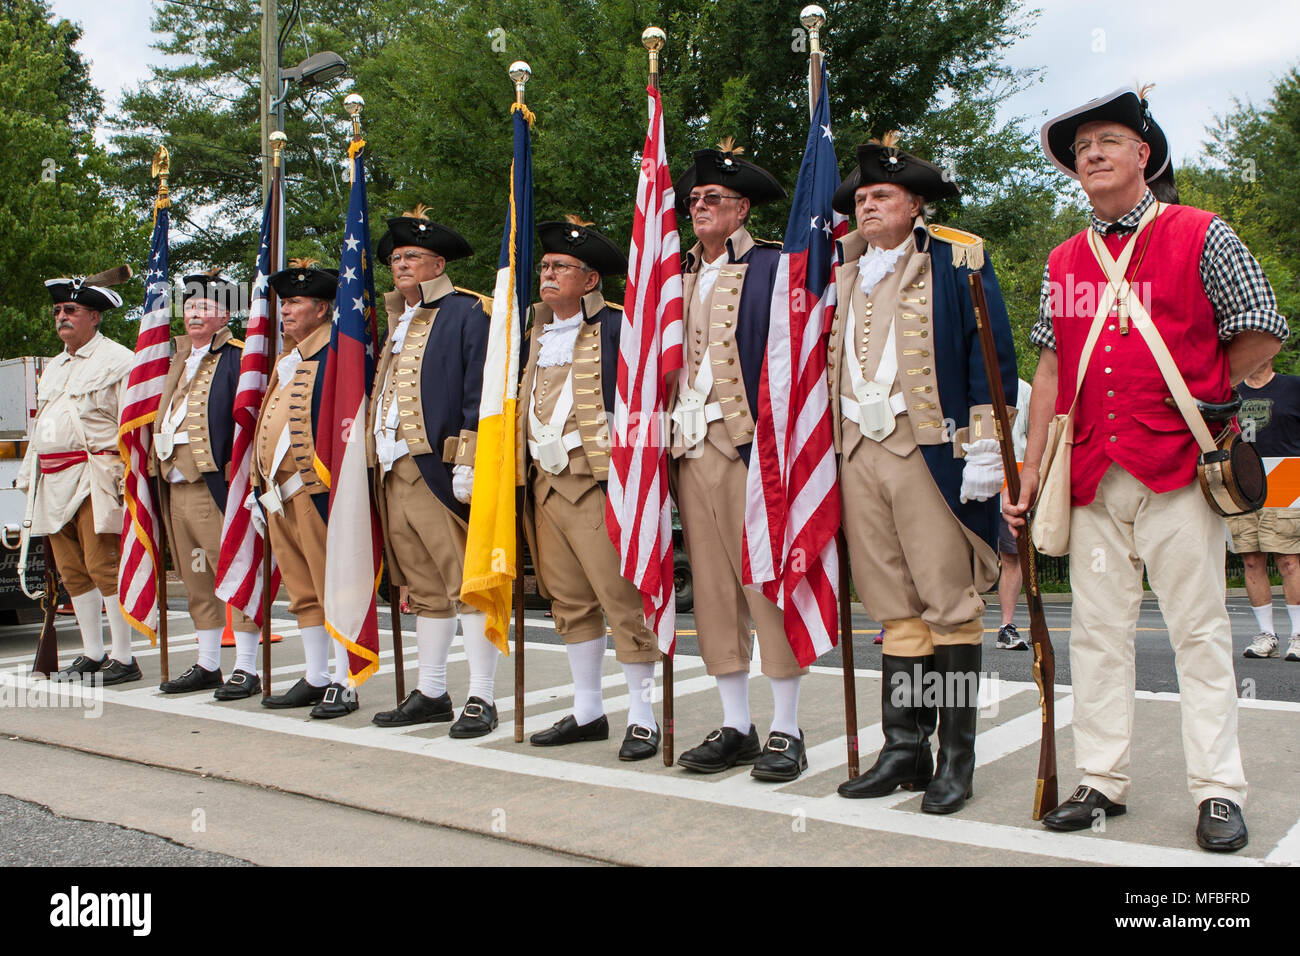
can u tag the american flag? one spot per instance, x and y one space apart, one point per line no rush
638 514
792 508
137 580
352 534
239 569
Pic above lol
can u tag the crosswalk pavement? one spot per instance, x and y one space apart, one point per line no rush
1156 832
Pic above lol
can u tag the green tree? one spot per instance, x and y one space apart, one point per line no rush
1249 177
55 215
433 74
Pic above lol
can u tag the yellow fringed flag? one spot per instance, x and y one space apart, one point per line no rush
491 560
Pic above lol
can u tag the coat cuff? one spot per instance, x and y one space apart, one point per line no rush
982 425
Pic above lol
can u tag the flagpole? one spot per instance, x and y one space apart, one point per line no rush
278 139
653 39
813 18
520 73
161 169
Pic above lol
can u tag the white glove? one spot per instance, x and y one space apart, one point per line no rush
255 513
982 478
462 482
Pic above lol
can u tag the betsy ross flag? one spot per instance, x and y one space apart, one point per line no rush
137 575
352 535
490 558
239 569
638 512
792 507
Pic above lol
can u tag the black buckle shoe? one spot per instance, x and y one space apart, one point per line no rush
1079 812
723 749
568 731
1221 827
339 701
783 759
478 719
418 708
196 678
118 673
241 686
80 667
639 743
301 694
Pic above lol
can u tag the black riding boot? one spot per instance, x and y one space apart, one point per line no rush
905 760
958 666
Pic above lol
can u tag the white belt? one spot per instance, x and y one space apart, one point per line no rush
692 412
552 445
873 409
276 493
388 447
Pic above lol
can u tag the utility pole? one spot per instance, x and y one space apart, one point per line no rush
270 86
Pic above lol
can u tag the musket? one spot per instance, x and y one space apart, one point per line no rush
1044 657
47 646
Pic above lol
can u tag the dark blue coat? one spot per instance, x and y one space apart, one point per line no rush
221 426
451 384
963 384
754 317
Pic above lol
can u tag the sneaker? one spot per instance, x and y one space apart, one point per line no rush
1264 645
1009 639
1293 649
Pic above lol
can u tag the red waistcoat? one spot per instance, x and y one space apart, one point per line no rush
1122 417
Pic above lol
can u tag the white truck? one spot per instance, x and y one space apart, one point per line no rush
17 412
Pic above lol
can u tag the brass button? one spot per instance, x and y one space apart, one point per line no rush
1110 394
1113 438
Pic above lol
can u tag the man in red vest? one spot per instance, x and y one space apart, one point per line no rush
1134 495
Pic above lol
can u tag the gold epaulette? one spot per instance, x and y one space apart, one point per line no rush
767 243
967 248
237 343
613 305
484 300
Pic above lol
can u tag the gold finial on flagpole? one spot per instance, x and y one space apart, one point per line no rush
813 18
354 104
520 72
653 38
278 142
161 170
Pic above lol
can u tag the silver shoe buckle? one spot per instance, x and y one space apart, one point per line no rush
1080 795
331 695
774 740
1219 810
642 733
476 712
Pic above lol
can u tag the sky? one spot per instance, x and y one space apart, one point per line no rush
1201 54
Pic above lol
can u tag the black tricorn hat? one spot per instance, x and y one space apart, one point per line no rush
211 285
724 167
1126 107
576 238
413 228
90 291
883 162
305 278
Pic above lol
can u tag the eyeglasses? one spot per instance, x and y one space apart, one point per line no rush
67 308
409 257
557 268
709 199
1108 143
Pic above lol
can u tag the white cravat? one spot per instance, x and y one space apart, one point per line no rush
709 275
555 347
875 264
403 323
194 358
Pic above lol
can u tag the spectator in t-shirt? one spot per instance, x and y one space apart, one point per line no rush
1270 417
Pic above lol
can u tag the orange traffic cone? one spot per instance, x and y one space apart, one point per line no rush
228 635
